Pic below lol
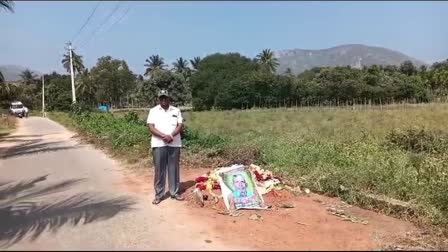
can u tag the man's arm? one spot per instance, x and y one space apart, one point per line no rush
179 126
177 130
154 131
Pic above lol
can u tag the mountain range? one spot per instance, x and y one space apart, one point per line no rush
354 55
299 60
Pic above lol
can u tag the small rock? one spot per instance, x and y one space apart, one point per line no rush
307 191
287 206
255 217
208 241
331 209
340 211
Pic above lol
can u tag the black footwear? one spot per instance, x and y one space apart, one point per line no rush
177 197
156 201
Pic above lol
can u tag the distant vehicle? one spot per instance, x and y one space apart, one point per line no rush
17 109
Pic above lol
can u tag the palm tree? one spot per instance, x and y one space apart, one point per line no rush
28 77
78 65
181 65
195 62
153 64
267 60
7 4
85 87
7 90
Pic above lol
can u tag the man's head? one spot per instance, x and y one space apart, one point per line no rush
239 182
164 98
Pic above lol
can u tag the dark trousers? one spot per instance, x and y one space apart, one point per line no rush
166 158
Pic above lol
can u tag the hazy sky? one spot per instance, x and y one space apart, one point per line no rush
35 35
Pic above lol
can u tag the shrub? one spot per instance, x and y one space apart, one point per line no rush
419 140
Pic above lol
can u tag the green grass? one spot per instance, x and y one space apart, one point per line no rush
396 152
346 153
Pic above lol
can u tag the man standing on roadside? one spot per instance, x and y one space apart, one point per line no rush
165 123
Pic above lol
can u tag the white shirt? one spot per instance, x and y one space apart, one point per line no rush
165 122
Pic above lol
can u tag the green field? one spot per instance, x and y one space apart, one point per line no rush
398 152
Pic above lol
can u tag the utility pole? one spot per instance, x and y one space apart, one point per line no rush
43 95
71 72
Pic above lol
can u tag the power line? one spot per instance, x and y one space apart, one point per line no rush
87 21
92 34
117 21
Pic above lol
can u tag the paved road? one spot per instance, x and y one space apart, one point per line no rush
58 194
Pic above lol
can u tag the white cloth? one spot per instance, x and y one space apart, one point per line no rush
165 122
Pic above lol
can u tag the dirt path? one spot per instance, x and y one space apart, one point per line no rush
42 147
70 196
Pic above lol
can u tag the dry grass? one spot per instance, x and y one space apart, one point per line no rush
7 124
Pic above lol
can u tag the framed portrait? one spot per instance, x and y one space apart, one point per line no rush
238 188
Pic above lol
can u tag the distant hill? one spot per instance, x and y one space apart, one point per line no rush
354 55
12 72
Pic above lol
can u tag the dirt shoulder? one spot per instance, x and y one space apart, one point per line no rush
310 225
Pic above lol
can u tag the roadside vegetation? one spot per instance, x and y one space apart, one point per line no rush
7 122
394 152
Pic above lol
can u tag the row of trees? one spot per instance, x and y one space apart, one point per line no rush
226 81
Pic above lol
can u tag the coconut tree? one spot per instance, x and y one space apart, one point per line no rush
7 90
153 64
267 60
181 65
195 62
78 64
86 87
8 5
28 77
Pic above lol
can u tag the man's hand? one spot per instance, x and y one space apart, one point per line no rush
167 139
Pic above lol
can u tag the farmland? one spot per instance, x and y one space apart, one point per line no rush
396 151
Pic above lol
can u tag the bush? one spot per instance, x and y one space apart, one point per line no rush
77 109
195 141
419 140
132 117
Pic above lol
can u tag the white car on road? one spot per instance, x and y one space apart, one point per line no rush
18 109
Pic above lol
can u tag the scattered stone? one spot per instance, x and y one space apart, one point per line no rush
208 241
223 213
235 213
307 191
255 217
287 206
